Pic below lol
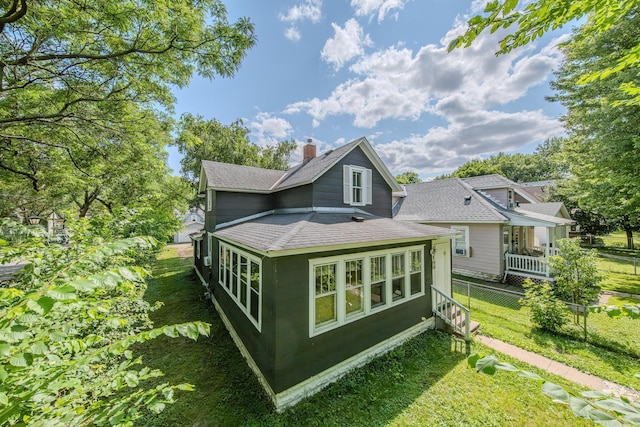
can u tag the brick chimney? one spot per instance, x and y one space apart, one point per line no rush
308 151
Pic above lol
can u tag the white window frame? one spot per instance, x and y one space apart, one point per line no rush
228 288
366 190
209 199
464 235
340 261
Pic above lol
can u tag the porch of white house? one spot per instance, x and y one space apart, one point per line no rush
527 248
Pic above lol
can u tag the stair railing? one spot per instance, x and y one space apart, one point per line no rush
449 310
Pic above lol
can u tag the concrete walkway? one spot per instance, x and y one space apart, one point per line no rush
560 369
605 295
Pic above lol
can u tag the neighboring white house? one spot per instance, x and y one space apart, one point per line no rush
193 221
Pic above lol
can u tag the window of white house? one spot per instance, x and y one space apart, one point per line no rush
460 243
240 276
209 200
346 288
357 185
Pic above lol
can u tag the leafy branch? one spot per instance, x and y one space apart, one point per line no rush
598 406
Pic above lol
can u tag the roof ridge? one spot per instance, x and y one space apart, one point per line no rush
280 243
479 195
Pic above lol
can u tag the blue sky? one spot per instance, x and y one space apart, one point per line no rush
337 70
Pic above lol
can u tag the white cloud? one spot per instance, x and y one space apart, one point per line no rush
346 44
442 149
466 88
268 129
383 7
310 10
292 33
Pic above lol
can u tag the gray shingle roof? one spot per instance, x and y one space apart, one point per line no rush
314 230
444 201
489 181
225 176
237 177
309 171
548 208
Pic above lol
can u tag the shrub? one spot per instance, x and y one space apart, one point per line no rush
547 312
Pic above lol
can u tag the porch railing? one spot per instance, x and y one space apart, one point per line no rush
451 312
546 251
527 264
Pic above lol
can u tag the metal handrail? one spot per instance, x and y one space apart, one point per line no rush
443 308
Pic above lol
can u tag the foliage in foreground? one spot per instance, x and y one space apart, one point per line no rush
67 322
598 406
535 18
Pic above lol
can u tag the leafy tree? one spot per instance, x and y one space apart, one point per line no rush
543 164
547 311
85 88
602 150
201 139
408 178
537 17
70 69
67 324
576 272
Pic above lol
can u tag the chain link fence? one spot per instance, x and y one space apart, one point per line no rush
491 305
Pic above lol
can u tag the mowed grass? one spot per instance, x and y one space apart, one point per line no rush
620 275
612 351
424 382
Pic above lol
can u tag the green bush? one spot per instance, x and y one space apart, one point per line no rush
547 312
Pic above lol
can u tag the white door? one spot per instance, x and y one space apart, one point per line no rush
441 266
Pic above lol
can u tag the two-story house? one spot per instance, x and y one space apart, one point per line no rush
505 233
309 271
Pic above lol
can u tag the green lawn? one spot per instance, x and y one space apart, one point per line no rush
620 275
612 352
424 382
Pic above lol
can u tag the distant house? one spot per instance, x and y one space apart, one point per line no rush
193 222
309 271
504 231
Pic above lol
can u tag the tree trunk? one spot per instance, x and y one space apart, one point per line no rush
629 232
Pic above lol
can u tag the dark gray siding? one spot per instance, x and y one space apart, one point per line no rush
260 344
232 206
297 197
327 189
299 357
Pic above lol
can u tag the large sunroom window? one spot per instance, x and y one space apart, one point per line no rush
347 288
240 277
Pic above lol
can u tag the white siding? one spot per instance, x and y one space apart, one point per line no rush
486 257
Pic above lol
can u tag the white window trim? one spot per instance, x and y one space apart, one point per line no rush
342 318
367 191
221 268
209 200
465 232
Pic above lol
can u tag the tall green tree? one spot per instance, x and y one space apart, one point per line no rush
535 18
82 81
201 139
603 149
543 164
408 178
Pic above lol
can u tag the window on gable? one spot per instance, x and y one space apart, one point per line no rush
357 185
460 243
209 200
